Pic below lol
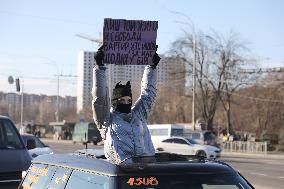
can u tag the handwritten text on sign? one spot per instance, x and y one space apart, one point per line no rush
129 41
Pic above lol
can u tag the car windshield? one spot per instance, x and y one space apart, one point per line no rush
190 181
39 143
8 136
192 141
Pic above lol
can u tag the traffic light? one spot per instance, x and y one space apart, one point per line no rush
18 88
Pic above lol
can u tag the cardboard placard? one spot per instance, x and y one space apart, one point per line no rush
129 42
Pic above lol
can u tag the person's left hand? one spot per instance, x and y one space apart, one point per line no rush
156 59
99 56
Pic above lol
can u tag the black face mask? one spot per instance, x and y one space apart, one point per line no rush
123 108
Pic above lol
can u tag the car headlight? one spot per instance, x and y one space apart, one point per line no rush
24 174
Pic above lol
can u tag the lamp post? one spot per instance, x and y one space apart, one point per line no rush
20 89
22 104
52 62
193 78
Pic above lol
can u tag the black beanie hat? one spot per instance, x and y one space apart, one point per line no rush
121 90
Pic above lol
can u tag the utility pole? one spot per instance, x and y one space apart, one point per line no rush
57 97
57 100
193 35
22 105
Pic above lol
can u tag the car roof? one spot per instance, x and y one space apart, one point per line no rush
105 167
173 137
3 117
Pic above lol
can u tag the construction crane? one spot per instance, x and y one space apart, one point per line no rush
99 41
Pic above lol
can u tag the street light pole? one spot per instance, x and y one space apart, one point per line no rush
193 78
22 104
52 62
57 100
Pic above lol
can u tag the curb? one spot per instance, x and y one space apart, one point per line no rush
252 155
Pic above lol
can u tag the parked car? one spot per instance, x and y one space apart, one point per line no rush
169 171
185 146
14 155
86 132
201 137
40 147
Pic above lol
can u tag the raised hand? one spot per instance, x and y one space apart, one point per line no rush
99 56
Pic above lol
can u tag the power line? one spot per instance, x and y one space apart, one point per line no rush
45 18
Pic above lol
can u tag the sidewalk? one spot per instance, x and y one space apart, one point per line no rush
269 155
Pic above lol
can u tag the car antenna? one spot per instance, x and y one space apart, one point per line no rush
86 143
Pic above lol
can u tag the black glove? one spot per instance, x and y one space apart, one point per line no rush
99 56
156 60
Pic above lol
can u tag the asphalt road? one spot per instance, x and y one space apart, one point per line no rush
263 172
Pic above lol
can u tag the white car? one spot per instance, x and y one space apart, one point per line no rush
185 146
40 147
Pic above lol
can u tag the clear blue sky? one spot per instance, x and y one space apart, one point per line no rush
37 38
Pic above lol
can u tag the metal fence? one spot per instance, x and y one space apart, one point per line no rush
244 146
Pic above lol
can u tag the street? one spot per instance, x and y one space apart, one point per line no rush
261 172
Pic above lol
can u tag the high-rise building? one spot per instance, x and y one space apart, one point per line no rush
116 73
85 79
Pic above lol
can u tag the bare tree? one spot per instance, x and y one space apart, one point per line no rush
217 59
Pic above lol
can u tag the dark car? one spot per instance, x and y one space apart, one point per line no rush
167 171
14 156
39 148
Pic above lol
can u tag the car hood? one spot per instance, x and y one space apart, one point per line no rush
206 147
40 151
14 160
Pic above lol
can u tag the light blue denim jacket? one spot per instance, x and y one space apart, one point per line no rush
126 135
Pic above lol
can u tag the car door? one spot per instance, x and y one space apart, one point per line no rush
180 146
167 145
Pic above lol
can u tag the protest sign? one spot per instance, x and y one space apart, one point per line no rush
129 42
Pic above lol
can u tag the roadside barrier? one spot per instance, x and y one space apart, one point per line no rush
244 146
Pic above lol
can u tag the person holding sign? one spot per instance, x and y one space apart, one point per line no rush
123 126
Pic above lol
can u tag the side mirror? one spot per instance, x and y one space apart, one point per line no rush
31 144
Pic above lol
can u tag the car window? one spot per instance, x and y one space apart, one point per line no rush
179 141
42 176
82 180
38 177
9 138
60 178
191 141
39 144
168 140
